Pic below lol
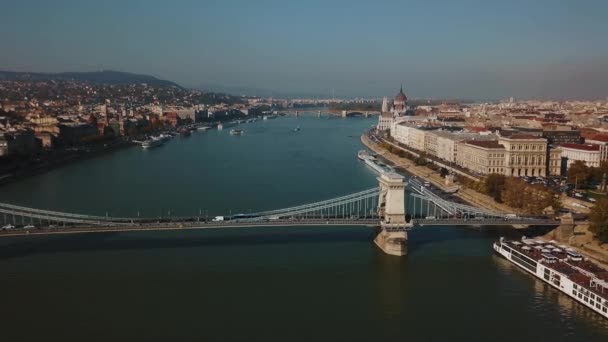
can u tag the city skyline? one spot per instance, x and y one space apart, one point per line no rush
472 50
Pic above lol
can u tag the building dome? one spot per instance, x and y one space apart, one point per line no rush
401 96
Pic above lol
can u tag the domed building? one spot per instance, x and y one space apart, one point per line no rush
400 103
398 108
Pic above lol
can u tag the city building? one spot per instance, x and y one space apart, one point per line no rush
587 153
385 120
481 157
554 165
400 103
398 109
73 133
21 143
560 136
602 141
447 142
525 155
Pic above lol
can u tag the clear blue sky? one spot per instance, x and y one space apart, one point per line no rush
473 49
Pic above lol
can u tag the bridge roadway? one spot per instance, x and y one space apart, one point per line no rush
192 225
486 222
187 225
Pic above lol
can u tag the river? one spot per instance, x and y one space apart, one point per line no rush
271 284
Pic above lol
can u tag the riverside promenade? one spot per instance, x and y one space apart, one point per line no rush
468 195
582 238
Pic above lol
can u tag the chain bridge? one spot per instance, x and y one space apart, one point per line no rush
393 208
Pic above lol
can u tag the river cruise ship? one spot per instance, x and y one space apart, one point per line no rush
374 163
562 268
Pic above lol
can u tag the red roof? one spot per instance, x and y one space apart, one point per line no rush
599 137
587 147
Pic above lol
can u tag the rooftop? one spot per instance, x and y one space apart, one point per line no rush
485 144
582 147
523 137
599 137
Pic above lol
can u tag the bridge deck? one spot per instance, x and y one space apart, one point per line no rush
73 229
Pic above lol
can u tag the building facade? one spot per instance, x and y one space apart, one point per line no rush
400 103
526 155
481 157
562 136
398 109
587 153
554 165
385 121
602 141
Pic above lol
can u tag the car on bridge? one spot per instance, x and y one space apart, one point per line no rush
7 227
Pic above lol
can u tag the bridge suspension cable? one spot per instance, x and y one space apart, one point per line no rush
366 193
25 211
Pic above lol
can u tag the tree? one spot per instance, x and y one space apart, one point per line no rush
599 219
598 172
579 173
495 184
421 160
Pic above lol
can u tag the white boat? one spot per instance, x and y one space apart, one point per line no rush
236 132
364 154
164 137
220 126
154 142
203 128
374 163
565 270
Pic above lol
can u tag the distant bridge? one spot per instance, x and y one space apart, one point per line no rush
335 112
383 207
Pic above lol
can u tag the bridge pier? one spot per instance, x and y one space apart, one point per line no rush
392 234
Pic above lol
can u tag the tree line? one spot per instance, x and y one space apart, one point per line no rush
582 175
530 199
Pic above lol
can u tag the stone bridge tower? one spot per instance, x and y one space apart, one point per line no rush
392 236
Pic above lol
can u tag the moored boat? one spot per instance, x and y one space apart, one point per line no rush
562 268
153 142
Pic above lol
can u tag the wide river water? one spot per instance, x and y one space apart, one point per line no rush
259 284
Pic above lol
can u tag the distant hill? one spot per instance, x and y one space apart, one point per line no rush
101 77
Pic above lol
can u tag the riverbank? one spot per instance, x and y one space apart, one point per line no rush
467 195
582 238
58 159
